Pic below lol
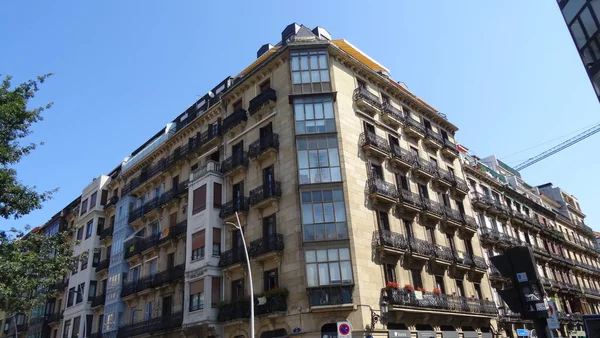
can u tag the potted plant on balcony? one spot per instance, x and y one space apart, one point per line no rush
409 287
437 291
391 285
420 289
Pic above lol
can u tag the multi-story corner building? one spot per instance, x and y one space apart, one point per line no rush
511 212
582 19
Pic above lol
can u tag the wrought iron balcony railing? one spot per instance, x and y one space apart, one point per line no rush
103 265
270 243
470 222
479 262
410 198
239 204
111 201
330 295
409 122
439 302
420 247
392 112
231 257
239 159
152 325
267 96
453 214
443 253
381 187
273 303
450 146
364 94
460 184
234 119
392 240
267 191
105 233
402 154
175 231
263 144
434 136
370 139
425 166
461 257
432 206
98 300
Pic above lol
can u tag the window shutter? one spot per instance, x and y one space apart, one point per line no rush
199 199
173 219
216 236
197 287
216 291
217 195
198 240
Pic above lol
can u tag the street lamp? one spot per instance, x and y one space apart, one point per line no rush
239 227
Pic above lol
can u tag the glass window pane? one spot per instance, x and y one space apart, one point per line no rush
315 77
337 195
313 157
310 127
300 128
333 255
342 230
318 110
295 63
324 76
340 212
321 255
311 256
328 108
305 76
303 159
312 143
331 142
314 62
320 232
336 175
309 112
319 126
325 175
315 176
309 233
344 254
299 110
304 62
296 78
323 274
312 276
328 212
327 195
301 144
323 158
588 22
318 212
334 273
571 9
578 34
317 196
304 176
346 268
330 125
307 214
323 61
334 157
331 233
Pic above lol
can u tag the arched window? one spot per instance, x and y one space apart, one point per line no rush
329 330
279 333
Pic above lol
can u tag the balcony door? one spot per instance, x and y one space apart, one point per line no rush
238 194
269 226
237 149
167 306
266 133
268 179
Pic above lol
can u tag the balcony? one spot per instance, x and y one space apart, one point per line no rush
231 257
443 254
272 244
235 122
98 300
174 232
144 283
235 164
432 209
382 192
413 128
391 242
432 140
481 201
152 326
463 259
103 265
133 247
453 216
489 235
392 116
274 303
404 298
228 210
266 194
263 103
449 150
106 233
111 202
374 145
470 223
330 295
424 169
409 201
460 186
135 214
444 178
150 206
419 248
367 101
265 147
55 317
479 263
401 158
61 285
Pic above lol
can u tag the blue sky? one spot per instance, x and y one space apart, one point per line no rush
505 72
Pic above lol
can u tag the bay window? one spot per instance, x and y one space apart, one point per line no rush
323 215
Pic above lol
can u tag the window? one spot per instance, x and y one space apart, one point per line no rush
439 284
460 290
402 181
237 105
134 311
217 195
75 267
237 289
89 229
199 199
269 226
197 295
80 291
80 234
93 199
408 228
198 242
84 260
83 207
271 280
216 291
323 215
328 267
100 226
67 329
310 71
76 322
92 291
423 191
314 115
572 8
390 273
71 297
416 278
383 221
318 160
216 251
265 85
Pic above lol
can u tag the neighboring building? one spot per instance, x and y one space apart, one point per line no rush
511 212
582 18
597 234
352 198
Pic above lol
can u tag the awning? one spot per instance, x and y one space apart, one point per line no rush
471 334
486 335
399 333
426 334
449 334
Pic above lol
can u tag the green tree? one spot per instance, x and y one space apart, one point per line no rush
29 264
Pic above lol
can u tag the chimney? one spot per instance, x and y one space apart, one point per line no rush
322 33
263 49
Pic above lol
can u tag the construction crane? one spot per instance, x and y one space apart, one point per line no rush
579 137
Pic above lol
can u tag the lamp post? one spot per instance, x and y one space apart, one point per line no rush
239 227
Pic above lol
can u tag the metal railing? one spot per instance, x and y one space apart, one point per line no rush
433 136
411 198
261 99
266 191
241 309
270 243
435 301
99 300
103 265
402 154
111 201
425 166
263 144
443 253
239 159
152 325
420 247
369 139
234 119
432 206
106 232
392 112
330 295
239 204
453 214
381 187
461 257
364 94
391 239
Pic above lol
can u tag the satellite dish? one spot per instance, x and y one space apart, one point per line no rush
211 94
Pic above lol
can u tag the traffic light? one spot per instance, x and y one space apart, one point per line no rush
526 296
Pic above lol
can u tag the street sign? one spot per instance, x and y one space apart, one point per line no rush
552 319
522 332
344 330
522 277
